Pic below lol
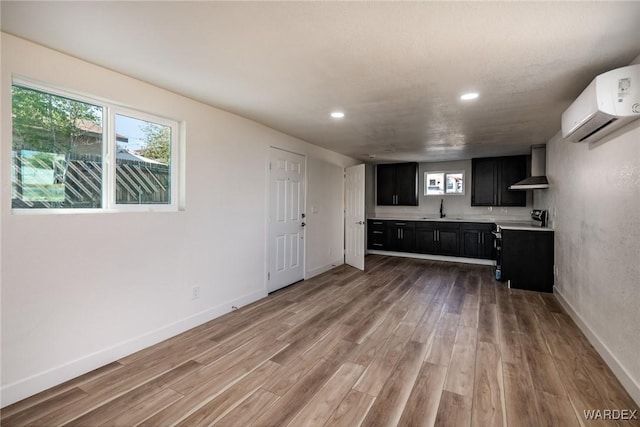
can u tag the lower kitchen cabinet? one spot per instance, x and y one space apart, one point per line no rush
476 241
426 238
438 238
400 236
527 259
470 240
376 237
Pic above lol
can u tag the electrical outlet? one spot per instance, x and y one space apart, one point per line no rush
195 292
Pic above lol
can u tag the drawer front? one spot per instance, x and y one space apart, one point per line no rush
376 234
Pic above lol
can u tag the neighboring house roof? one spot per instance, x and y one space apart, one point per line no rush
125 154
89 126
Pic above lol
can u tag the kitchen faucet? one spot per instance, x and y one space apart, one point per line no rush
442 215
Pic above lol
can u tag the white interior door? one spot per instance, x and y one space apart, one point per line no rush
354 217
286 218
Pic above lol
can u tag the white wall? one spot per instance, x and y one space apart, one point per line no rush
454 205
325 216
594 202
82 290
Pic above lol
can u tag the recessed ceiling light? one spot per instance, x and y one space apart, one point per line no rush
468 96
337 114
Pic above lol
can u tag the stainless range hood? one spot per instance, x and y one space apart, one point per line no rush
538 179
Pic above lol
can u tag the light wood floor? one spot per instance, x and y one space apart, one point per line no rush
408 342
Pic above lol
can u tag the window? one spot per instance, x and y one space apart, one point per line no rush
441 183
70 152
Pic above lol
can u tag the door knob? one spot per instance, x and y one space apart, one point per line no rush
360 222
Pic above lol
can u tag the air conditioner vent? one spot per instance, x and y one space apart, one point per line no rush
608 103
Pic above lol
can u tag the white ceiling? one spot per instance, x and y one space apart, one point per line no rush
396 69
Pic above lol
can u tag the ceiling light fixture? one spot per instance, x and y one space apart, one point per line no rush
469 96
337 114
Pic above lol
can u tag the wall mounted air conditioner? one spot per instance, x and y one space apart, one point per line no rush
609 102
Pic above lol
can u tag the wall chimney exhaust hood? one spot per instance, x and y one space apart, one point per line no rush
538 179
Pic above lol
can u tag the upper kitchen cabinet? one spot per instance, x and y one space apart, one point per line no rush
491 178
397 184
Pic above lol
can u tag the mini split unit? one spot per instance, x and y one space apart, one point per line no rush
609 102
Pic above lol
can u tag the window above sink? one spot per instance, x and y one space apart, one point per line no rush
440 183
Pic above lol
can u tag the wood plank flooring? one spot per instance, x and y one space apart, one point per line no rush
407 342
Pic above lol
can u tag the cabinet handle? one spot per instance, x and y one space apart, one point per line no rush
377 244
402 233
377 222
478 238
377 232
398 233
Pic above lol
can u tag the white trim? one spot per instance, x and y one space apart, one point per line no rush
29 386
435 257
627 381
324 268
109 148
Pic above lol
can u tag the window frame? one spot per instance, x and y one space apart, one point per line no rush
109 148
445 175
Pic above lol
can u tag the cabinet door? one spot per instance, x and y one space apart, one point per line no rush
385 185
400 236
392 236
407 184
484 179
512 170
527 259
407 241
448 242
487 251
425 239
471 246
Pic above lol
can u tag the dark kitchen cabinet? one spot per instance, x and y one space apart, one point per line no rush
484 180
512 170
400 236
397 184
376 237
426 238
438 238
527 259
471 240
491 178
476 240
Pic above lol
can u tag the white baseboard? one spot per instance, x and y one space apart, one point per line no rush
435 257
323 268
629 384
29 386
